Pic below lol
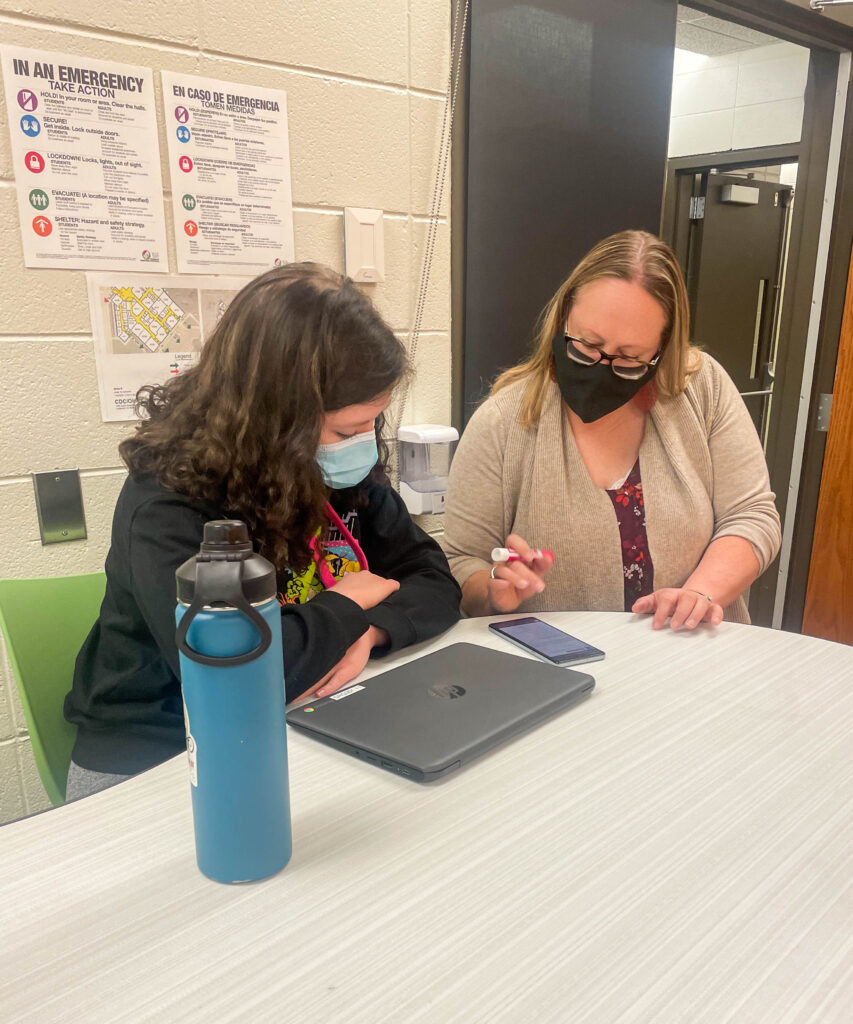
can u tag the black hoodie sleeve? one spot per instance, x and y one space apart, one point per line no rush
126 698
167 531
316 635
427 602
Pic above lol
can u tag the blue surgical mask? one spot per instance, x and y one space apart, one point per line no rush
346 463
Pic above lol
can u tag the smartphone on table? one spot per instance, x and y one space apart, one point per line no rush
546 641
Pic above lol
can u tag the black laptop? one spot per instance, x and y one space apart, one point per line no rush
436 713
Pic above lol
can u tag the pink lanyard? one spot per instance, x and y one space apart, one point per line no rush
326 577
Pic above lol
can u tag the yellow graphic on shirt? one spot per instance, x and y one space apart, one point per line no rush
338 559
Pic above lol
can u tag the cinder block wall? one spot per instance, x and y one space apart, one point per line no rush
365 82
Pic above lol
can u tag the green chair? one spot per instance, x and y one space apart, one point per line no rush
44 622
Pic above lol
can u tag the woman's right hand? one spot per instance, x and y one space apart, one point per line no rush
513 582
366 588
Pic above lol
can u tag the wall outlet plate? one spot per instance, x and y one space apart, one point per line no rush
59 503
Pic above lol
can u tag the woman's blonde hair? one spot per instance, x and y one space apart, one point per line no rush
635 256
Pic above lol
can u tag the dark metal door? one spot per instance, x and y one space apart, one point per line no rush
735 275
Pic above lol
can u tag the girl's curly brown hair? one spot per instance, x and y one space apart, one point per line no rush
240 430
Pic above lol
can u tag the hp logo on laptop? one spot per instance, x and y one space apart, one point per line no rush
448 691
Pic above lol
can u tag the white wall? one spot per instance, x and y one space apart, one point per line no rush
737 100
365 81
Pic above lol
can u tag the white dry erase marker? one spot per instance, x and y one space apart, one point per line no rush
509 555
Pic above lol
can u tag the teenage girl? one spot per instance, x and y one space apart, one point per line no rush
278 425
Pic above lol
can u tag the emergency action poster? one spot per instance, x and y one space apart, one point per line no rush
86 161
229 163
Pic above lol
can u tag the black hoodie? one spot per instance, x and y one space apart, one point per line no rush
126 695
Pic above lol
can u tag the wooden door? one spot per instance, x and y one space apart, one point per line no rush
829 597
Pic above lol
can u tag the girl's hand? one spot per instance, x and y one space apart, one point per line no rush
681 606
366 588
514 582
350 664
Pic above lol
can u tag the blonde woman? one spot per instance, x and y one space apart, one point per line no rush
621 448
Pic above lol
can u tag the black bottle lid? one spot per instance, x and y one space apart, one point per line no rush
227 540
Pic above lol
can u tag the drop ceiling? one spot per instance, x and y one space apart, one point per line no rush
703 33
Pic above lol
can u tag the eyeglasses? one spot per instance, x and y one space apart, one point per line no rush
580 351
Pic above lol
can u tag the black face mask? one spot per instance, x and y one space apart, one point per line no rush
592 391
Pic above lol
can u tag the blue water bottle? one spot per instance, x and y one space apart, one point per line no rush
232 677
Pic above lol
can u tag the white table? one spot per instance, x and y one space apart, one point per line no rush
679 848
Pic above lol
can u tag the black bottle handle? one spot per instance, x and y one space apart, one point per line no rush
219 580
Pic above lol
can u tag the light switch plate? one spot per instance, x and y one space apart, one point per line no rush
364 236
59 503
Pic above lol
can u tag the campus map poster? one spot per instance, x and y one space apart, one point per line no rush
148 328
229 162
86 161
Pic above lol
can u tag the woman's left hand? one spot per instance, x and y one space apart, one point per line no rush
681 606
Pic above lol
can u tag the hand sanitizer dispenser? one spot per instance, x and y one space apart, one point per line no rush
425 451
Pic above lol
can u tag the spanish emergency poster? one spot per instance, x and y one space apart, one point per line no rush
229 163
86 161
149 328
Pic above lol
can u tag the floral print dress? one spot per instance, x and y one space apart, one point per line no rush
630 510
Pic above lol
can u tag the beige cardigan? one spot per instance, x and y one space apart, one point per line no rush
704 476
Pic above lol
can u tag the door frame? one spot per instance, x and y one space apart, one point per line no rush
687 243
790 615
762 596
821 240
729 160
801 308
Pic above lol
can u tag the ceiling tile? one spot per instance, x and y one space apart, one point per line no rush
729 28
700 40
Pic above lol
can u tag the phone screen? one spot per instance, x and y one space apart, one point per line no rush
549 641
